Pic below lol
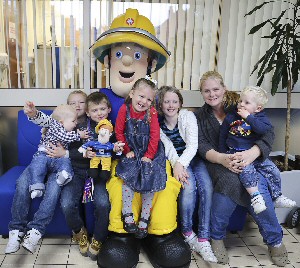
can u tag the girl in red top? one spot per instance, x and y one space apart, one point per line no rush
143 165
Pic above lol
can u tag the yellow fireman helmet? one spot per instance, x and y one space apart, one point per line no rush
104 123
131 28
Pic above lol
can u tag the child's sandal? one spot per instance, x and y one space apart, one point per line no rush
142 232
129 227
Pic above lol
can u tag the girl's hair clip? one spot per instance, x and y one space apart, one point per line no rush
148 77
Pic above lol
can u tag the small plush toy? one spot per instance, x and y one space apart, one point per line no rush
103 149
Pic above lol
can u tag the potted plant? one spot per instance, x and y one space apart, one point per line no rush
283 57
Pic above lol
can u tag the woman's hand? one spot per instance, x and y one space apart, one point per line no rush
230 162
56 150
248 156
180 173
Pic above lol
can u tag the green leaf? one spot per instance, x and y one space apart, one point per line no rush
257 27
260 80
257 8
279 18
280 65
257 64
278 30
269 57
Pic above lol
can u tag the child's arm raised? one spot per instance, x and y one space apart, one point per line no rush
30 109
35 116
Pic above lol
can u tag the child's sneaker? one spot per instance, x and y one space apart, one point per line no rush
94 249
258 203
205 250
31 240
191 240
14 241
284 202
82 239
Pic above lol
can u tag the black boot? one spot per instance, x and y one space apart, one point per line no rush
119 251
167 251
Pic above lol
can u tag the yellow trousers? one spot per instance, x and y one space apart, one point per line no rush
105 162
164 205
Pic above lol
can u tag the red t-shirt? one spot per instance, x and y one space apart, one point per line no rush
154 129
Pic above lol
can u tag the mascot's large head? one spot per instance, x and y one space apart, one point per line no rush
130 50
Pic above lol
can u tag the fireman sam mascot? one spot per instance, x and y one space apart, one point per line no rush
130 50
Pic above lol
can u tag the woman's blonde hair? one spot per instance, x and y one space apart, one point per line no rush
230 97
211 75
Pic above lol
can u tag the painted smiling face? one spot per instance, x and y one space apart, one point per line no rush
128 63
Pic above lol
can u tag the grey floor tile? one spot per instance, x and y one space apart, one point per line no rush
248 232
264 259
55 259
294 257
144 265
80 265
234 242
143 258
259 249
252 241
17 266
62 240
49 266
2 249
3 241
245 249
289 239
232 234
2 257
54 249
243 261
296 265
194 264
17 260
239 251
292 247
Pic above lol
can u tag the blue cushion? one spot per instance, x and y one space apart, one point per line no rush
8 180
7 190
29 136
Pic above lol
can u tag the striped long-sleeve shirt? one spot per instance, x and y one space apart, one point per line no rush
56 133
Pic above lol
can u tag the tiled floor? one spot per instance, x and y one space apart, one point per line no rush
245 249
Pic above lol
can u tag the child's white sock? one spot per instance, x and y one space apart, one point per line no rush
63 178
36 193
